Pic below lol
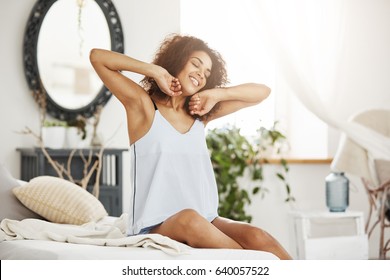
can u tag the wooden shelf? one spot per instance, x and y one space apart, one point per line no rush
301 160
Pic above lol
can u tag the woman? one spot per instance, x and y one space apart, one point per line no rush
174 188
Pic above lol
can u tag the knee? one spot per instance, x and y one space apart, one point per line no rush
189 221
256 238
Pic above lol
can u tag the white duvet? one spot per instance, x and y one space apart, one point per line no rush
109 232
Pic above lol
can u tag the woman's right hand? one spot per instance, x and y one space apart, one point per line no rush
167 83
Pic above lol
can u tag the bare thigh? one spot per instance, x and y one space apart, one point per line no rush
187 226
250 237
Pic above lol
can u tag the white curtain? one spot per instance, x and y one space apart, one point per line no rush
306 39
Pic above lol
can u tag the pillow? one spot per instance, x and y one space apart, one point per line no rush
60 201
10 207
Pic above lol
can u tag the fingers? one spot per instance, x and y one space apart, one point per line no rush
175 87
195 100
199 112
194 105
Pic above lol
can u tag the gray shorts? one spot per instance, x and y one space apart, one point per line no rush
147 230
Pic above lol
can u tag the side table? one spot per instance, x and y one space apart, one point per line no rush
329 235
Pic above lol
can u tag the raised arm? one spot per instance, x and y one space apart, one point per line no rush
227 100
108 65
139 107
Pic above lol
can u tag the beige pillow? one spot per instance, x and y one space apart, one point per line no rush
60 201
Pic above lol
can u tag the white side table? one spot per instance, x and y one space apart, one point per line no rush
329 235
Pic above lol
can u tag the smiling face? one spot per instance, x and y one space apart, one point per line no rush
182 55
195 73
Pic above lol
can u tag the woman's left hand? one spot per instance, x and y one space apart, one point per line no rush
201 103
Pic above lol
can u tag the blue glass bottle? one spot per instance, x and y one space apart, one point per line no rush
337 192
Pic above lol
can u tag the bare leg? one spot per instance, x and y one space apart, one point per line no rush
250 237
189 227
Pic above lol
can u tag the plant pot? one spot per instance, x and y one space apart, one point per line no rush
74 139
54 137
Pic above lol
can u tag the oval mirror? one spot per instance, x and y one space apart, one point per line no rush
58 39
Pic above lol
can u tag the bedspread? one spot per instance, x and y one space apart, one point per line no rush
103 234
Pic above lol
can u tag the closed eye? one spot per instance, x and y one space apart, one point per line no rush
197 63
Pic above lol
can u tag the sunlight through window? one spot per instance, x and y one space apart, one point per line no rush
228 30
226 26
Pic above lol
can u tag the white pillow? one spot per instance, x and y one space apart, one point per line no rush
60 201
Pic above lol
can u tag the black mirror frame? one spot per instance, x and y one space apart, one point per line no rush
30 61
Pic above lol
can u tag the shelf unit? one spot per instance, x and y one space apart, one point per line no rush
34 163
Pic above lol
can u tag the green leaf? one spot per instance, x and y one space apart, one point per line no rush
255 190
280 176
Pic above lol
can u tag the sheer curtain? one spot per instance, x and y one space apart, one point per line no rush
306 39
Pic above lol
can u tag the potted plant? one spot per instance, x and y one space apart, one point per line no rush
58 134
53 133
233 156
272 143
76 133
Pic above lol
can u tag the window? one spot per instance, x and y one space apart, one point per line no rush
226 27
246 59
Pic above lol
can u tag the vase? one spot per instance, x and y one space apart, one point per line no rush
337 192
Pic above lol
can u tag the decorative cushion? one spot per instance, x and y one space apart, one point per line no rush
10 207
60 201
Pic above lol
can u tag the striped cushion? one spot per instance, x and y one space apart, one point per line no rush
60 201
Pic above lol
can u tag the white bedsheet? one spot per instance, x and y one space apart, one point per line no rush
51 250
38 239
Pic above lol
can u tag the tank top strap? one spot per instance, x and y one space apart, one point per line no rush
154 104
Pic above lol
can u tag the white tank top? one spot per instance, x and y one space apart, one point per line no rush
171 171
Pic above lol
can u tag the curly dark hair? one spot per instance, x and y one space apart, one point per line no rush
174 53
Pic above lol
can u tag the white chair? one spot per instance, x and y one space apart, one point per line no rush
374 171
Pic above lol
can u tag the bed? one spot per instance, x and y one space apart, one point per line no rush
50 250
80 228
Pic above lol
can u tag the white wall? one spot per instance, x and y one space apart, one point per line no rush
143 31
17 108
145 23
